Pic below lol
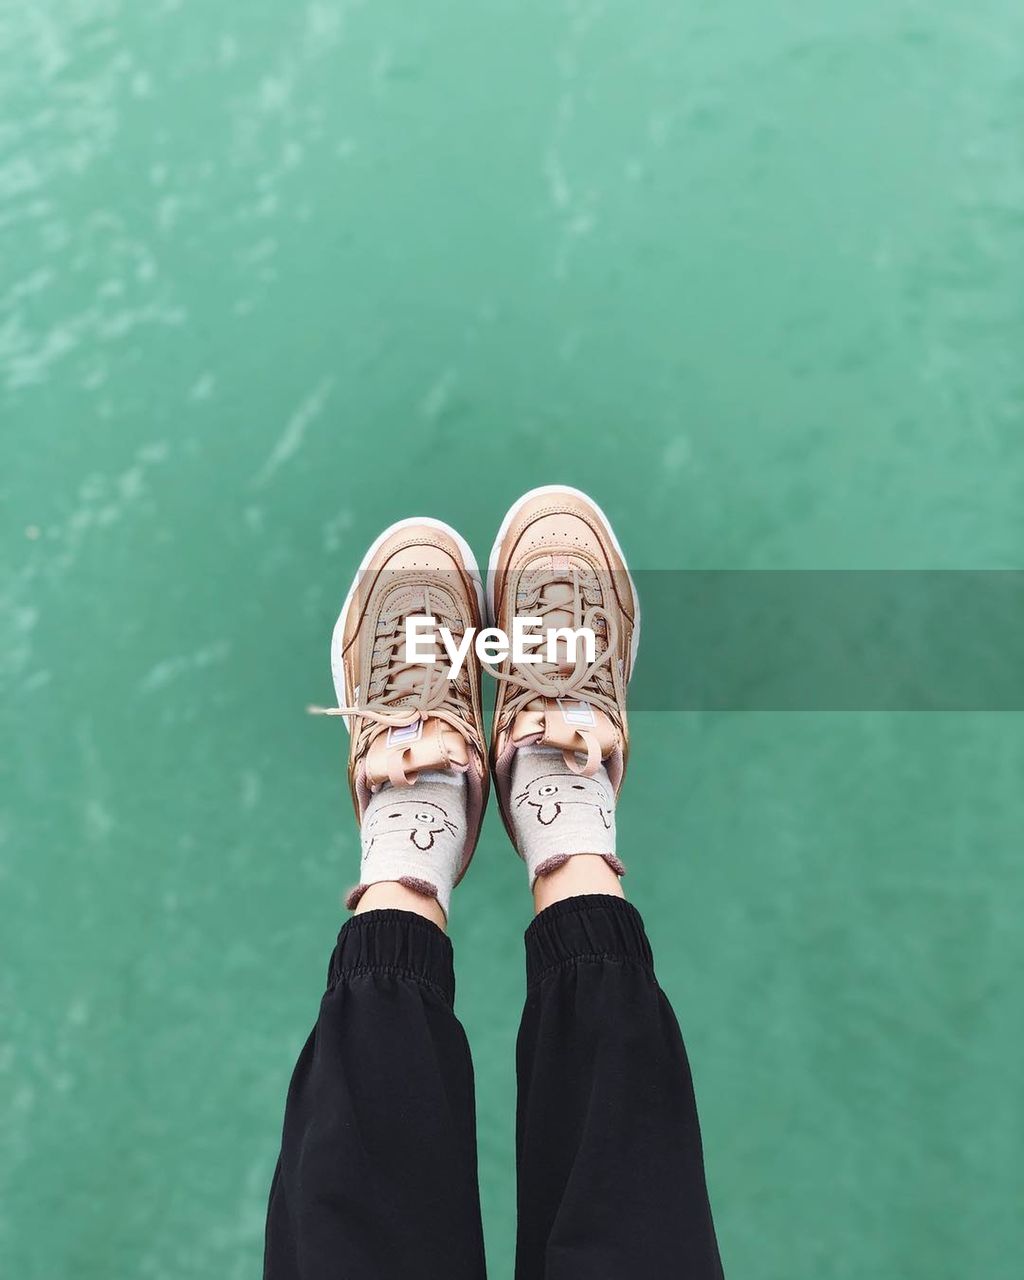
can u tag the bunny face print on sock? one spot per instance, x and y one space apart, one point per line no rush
552 794
556 813
420 821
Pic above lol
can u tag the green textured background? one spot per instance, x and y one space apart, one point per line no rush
275 274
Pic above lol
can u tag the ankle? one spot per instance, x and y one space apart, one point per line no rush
389 895
584 873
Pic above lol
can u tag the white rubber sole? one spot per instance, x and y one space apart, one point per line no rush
468 563
543 491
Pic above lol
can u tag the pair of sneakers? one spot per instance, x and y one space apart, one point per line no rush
419 767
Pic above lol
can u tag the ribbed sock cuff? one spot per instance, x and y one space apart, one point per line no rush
394 942
595 926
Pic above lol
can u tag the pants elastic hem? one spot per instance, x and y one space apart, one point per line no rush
400 943
594 926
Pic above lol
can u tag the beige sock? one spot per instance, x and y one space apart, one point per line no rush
415 835
557 813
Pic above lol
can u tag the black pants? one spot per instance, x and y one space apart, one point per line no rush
377 1174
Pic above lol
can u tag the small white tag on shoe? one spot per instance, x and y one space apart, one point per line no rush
404 735
578 714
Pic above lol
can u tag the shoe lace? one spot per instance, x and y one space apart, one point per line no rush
560 592
395 703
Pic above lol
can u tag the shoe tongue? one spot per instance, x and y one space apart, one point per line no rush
397 755
429 744
557 596
559 580
561 723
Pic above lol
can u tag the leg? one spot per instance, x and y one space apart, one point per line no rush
611 1173
377 1172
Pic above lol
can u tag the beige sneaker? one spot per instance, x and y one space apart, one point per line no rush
556 558
406 718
